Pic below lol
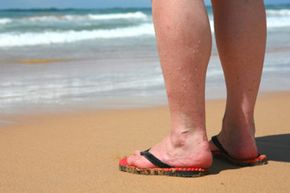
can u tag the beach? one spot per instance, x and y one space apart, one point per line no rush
79 151
81 88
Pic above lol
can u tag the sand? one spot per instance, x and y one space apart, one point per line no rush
78 152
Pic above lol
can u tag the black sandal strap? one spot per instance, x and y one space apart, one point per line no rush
216 142
154 160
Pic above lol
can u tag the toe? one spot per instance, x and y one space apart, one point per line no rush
139 161
131 160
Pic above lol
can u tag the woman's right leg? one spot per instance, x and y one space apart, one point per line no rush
184 44
240 28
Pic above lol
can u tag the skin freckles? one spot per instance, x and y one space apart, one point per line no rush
184 45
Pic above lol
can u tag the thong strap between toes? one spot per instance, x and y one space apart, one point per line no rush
154 160
216 142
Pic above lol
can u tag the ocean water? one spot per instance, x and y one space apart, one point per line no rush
105 58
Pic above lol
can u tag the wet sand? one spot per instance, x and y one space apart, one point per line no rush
79 152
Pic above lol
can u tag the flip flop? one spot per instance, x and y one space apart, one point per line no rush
161 168
223 154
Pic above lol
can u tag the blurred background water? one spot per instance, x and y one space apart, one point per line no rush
105 58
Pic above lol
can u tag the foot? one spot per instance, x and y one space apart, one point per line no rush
240 144
184 150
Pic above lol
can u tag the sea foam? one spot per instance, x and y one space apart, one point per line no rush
4 21
69 27
87 17
52 37
280 12
135 15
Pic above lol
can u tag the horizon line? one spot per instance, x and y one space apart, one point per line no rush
97 8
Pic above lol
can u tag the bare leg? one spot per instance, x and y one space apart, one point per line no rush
184 44
240 29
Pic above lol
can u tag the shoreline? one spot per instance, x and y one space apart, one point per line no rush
160 102
71 109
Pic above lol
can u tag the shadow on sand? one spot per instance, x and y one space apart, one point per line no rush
276 147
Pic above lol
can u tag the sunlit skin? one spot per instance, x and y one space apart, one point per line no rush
184 44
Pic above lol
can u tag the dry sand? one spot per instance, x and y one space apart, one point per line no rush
79 152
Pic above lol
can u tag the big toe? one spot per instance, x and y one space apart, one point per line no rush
139 161
131 159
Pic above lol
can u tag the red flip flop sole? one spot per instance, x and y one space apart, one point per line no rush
260 160
179 172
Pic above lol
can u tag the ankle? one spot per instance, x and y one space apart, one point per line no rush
184 137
